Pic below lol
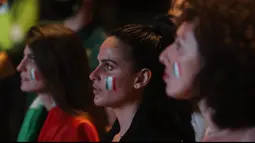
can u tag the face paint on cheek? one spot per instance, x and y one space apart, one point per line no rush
177 70
34 74
110 83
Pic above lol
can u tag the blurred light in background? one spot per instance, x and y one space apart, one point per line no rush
15 20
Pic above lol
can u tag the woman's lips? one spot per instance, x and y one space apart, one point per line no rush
165 76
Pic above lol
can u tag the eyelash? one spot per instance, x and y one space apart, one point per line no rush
178 45
31 59
108 67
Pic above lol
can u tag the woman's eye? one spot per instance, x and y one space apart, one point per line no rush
29 59
177 45
108 67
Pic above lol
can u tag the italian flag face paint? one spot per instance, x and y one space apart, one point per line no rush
176 70
110 83
34 74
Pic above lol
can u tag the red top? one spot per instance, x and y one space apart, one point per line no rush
62 127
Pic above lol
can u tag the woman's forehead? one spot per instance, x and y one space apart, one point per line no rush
112 48
112 42
111 53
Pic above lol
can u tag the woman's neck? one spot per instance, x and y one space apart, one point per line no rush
125 115
47 100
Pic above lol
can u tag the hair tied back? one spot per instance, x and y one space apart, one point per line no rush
164 24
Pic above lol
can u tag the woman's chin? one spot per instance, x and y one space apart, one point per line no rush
98 101
177 94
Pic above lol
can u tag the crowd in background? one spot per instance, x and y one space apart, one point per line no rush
111 70
91 19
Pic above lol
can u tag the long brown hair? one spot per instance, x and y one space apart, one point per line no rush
61 59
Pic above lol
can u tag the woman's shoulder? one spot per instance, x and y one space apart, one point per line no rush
249 136
84 121
72 128
85 128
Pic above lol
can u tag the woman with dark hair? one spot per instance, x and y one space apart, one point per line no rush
128 80
211 62
55 66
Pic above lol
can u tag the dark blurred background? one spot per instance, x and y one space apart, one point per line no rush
107 14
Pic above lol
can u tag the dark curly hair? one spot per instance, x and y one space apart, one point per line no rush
225 35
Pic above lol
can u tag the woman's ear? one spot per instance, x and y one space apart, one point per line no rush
143 78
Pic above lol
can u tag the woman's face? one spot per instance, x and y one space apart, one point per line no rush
114 78
182 62
31 79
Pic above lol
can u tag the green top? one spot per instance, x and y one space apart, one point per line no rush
33 122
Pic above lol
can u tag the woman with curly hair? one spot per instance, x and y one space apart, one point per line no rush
211 62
